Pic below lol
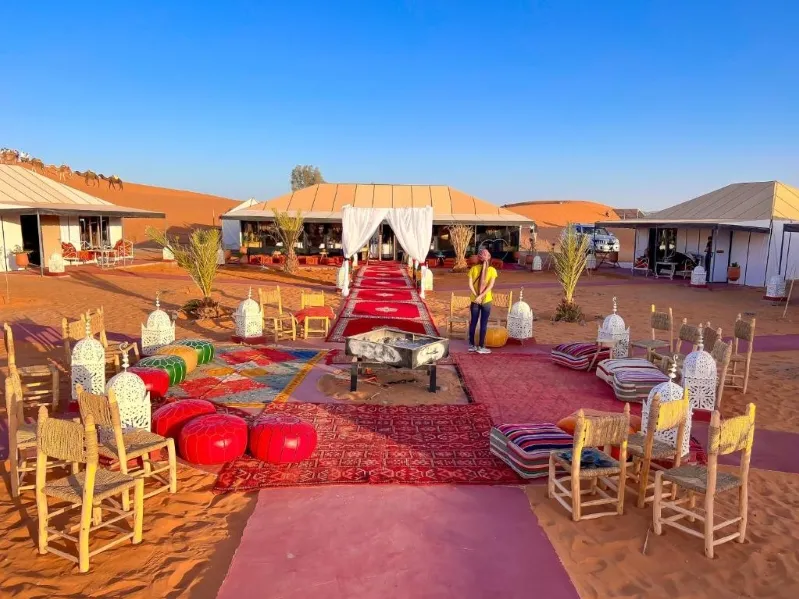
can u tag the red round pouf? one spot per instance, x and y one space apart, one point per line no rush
213 439
280 439
155 380
168 420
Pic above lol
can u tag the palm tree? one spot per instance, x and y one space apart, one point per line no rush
289 229
569 266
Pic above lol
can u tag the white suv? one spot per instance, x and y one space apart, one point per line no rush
600 238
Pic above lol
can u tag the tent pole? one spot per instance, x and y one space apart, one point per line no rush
41 245
788 299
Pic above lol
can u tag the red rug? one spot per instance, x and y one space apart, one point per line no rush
353 326
411 445
384 283
384 310
379 295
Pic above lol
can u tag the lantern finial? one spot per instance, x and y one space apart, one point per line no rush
673 369
614 304
157 300
88 325
700 344
125 362
521 294
249 293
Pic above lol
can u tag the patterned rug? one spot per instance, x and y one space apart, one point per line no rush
249 377
358 444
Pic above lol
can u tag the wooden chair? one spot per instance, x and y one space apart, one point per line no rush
90 491
457 303
314 299
643 447
74 331
710 336
733 435
641 264
281 324
503 301
659 321
722 354
744 331
590 433
40 384
132 444
687 333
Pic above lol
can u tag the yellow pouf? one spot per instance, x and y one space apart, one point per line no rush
189 355
496 336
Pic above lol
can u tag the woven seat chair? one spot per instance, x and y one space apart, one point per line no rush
731 436
744 331
503 301
457 304
280 324
659 321
721 353
40 384
314 299
132 444
687 333
643 448
91 491
75 330
711 335
592 432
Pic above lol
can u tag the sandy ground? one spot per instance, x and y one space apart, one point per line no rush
190 537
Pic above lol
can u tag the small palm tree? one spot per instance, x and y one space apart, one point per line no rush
460 235
289 230
569 266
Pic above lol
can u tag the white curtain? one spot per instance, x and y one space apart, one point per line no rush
358 226
413 228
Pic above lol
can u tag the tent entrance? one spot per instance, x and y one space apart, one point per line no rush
30 237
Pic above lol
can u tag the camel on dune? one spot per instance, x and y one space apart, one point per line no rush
37 165
64 172
113 182
89 176
9 156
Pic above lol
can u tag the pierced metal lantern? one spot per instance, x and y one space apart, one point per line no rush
56 263
343 278
220 257
159 330
700 377
699 276
249 319
669 391
613 329
132 396
167 255
776 288
590 262
88 364
537 263
520 319
427 279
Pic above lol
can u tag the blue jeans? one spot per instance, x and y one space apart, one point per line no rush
479 312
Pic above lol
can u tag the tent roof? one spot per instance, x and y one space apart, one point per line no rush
761 226
23 191
324 202
764 200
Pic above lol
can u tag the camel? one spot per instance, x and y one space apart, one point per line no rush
64 172
113 181
89 176
7 155
37 165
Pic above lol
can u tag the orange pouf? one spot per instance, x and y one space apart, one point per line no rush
496 336
189 355
567 424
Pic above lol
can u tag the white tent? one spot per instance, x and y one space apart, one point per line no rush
231 229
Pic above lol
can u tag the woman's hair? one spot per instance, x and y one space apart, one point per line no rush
484 255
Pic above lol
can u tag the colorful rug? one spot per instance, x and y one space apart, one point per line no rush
249 377
357 444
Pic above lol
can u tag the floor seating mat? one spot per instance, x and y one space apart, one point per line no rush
358 444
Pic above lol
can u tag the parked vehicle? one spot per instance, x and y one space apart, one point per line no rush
601 239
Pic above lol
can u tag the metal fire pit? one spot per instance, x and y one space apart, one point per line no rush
395 348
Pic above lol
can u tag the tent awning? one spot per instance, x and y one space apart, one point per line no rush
791 228
635 223
438 219
79 210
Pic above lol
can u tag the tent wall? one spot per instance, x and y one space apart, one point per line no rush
722 240
51 236
641 242
70 230
231 234
754 271
790 256
739 252
114 230
10 236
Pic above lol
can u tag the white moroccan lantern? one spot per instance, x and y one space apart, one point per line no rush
520 320
167 255
343 278
613 329
775 288
56 263
355 260
249 319
132 396
220 257
669 391
590 262
699 276
88 364
159 330
700 377
427 279
537 263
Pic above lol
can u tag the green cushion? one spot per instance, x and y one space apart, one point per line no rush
204 349
174 366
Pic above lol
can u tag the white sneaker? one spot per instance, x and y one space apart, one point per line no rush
472 348
483 350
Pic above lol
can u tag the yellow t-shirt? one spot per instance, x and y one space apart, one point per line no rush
474 275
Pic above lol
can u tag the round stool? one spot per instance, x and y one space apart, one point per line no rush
213 439
169 420
188 354
174 366
204 349
496 336
280 439
155 380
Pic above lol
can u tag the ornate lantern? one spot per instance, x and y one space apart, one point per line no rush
220 257
88 363
537 263
427 279
343 278
700 377
520 320
249 319
613 329
699 277
590 262
167 255
132 396
159 330
669 391
776 288
56 264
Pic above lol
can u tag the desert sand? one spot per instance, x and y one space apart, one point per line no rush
190 537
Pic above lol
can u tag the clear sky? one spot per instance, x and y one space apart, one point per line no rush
627 102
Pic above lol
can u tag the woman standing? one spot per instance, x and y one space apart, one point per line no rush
481 281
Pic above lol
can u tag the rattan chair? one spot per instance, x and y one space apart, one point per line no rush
75 330
733 435
314 324
659 321
500 300
592 432
40 384
91 491
280 324
710 335
687 333
744 331
722 354
643 448
131 444
458 303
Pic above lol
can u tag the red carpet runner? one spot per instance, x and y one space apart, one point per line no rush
382 295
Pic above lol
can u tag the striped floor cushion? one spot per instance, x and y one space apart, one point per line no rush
607 368
635 384
578 356
526 447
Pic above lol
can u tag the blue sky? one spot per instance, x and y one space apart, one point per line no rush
631 103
